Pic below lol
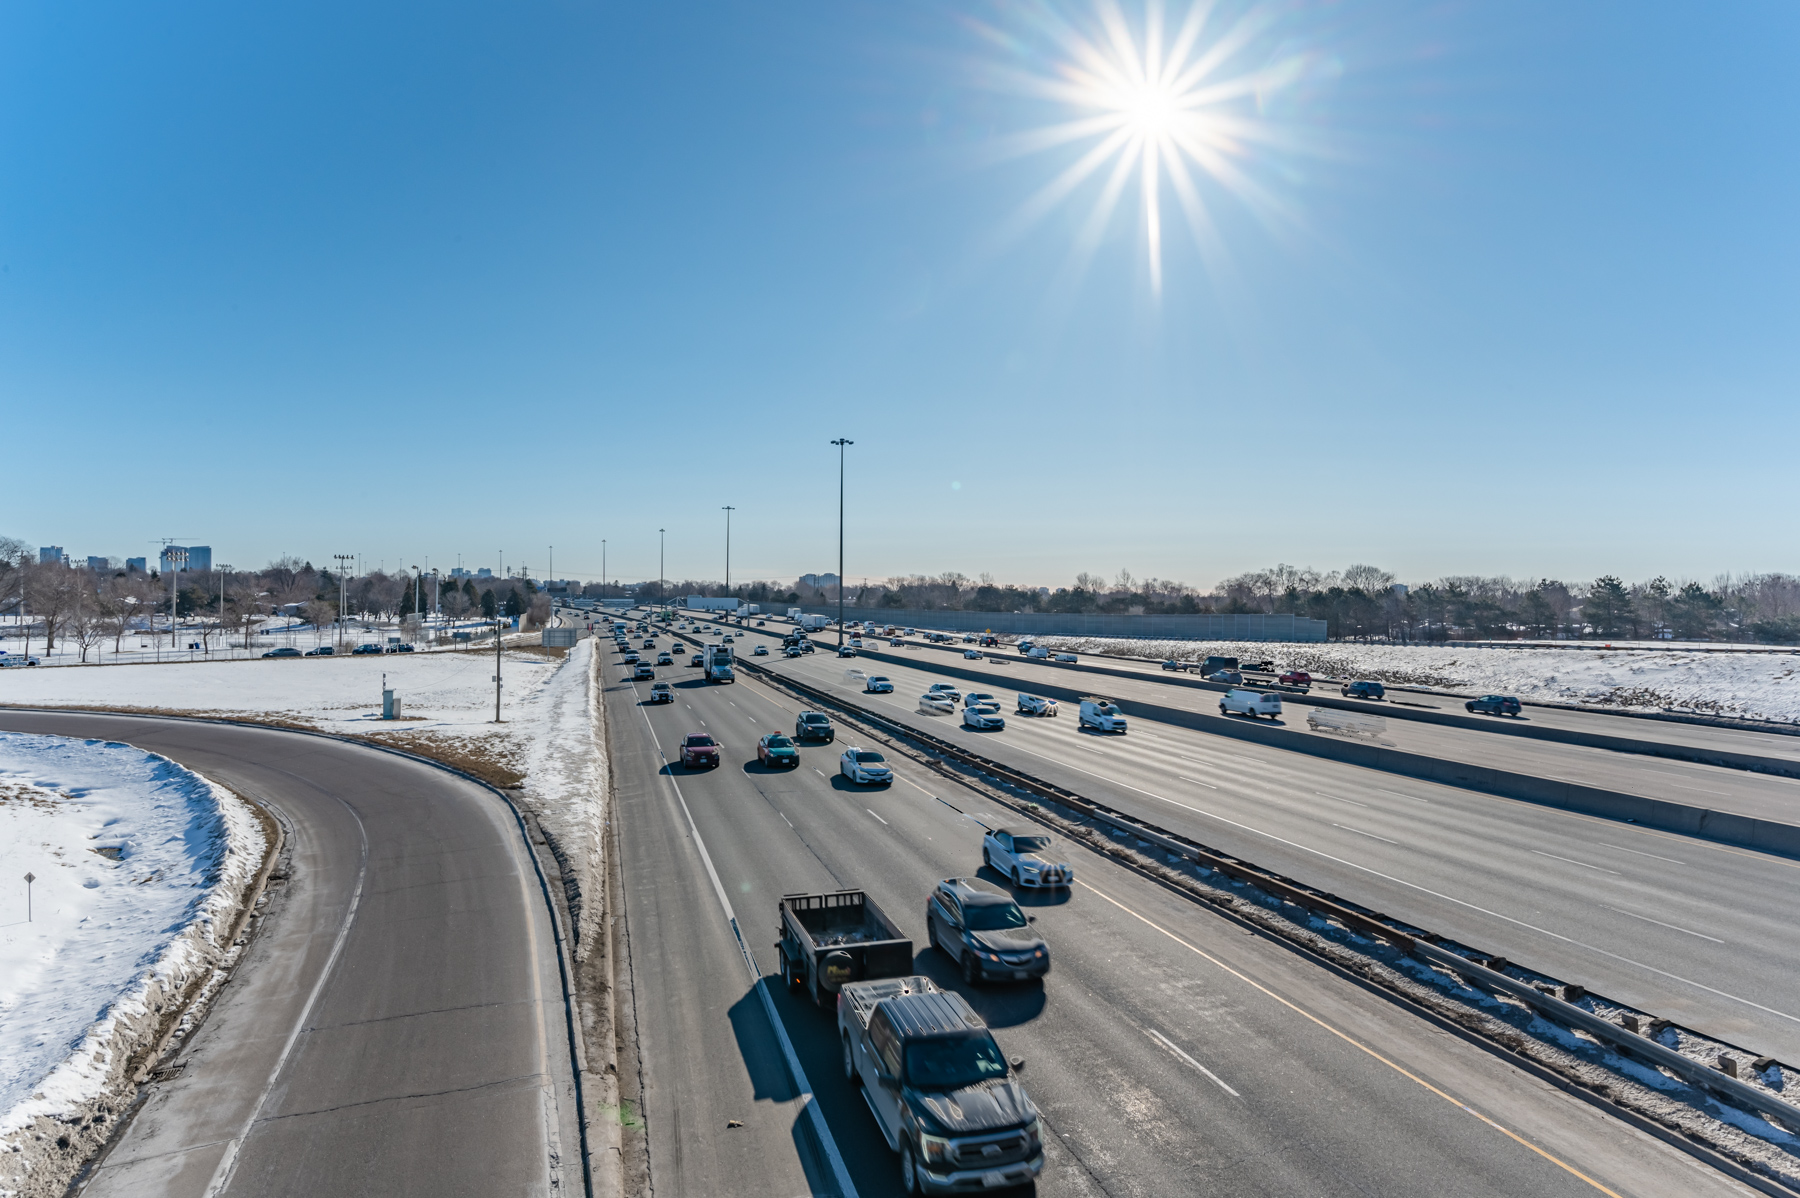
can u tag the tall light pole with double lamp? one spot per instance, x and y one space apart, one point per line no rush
841 442
728 509
662 568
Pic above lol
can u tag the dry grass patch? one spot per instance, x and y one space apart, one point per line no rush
491 756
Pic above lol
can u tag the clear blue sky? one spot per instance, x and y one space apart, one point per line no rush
1517 291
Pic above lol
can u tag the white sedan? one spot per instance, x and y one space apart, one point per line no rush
1025 858
980 699
760 651
865 767
983 718
932 703
972 654
944 690
1036 705
878 685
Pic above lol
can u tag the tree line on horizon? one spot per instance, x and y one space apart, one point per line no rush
1361 602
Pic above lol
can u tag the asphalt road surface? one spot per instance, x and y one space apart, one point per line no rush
1686 929
1170 1051
397 1026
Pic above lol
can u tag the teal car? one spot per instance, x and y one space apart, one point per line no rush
777 750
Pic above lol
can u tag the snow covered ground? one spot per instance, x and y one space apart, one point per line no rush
140 866
1764 686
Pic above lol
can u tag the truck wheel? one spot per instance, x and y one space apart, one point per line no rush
909 1171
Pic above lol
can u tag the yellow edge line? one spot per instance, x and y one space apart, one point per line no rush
1354 1043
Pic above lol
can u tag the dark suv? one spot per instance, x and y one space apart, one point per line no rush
813 725
1494 705
984 931
1364 690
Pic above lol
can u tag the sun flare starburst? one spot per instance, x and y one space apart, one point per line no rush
1175 106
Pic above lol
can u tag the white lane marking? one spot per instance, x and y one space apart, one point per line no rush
228 1163
751 718
785 819
1438 894
1585 865
871 811
1196 781
1360 832
1398 795
1339 798
1176 1049
1659 923
818 771
807 1099
1640 853
1700 789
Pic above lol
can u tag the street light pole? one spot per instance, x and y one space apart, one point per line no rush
841 442
728 510
662 568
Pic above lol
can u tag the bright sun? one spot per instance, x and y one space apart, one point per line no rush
1167 110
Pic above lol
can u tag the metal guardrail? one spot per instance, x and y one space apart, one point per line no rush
1331 907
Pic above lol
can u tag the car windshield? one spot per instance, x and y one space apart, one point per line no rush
779 742
699 742
952 1062
878 678
994 917
868 755
1030 844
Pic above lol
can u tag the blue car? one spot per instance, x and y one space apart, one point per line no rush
1494 705
1364 690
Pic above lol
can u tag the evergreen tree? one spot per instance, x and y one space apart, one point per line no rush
488 606
1607 608
515 605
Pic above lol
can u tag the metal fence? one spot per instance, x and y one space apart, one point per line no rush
1254 627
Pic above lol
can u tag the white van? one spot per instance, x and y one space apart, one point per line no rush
1250 703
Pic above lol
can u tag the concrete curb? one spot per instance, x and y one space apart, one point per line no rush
1769 836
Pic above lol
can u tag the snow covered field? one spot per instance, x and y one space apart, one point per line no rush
274 632
1764 686
139 865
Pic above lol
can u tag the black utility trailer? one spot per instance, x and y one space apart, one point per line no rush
829 939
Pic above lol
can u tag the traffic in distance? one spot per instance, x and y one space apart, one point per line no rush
833 959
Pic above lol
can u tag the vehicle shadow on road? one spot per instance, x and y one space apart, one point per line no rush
755 766
1026 896
1000 1004
839 782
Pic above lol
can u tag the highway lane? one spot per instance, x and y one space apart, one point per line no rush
1170 1052
1673 732
396 1026
1764 796
1692 931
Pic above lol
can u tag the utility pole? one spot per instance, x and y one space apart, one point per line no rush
728 510
343 561
841 442
603 567
29 879
662 569
498 622
224 643
551 576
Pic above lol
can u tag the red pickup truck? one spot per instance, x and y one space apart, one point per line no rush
698 750
1295 678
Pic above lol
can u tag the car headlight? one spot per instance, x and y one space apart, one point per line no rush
935 1148
1034 1133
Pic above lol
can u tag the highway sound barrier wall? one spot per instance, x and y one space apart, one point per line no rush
1183 628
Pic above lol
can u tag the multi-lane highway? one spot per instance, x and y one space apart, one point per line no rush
1171 1051
1687 929
397 1026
